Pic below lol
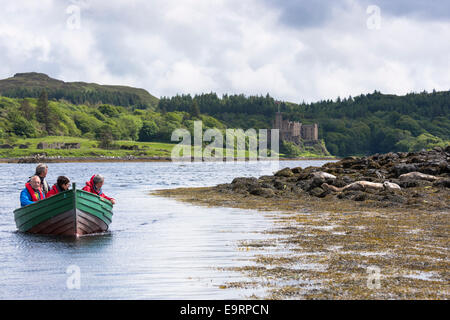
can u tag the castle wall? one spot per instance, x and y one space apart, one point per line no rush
293 131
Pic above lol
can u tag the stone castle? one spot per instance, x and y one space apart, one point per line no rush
294 131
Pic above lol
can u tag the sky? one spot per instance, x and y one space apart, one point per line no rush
295 50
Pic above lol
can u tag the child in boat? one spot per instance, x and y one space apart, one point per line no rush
32 192
95 186
62 184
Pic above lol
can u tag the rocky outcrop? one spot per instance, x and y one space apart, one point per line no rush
392 178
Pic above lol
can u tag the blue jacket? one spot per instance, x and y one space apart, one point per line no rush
25 198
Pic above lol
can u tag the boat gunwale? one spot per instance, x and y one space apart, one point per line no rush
102 209
40 202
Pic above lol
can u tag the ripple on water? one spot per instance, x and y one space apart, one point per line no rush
156 248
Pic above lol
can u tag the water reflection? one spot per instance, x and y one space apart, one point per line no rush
156 248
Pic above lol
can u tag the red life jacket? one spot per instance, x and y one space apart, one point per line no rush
33 193
90 187
53 191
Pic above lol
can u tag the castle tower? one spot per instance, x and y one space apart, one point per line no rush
316 132
278 124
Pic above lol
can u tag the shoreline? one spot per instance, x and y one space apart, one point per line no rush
334 246
328 245
136 159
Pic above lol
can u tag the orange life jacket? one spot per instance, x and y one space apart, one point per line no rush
33 193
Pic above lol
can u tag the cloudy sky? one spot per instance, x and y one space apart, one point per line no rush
293 49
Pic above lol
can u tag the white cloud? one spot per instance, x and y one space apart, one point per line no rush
195 46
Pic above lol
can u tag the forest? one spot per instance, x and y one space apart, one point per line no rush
366 124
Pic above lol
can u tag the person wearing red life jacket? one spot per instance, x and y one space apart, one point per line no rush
95 186
61 185
32 192
41 172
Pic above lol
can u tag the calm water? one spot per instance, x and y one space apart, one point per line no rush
157 248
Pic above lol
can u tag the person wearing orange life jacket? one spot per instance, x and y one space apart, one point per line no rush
32 192
61 185
41 172
95 186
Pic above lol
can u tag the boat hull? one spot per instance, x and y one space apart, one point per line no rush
70 213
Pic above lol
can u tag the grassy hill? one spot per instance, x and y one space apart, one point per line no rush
101 130
30 85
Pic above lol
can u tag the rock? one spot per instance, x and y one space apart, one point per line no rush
408 183
317 192
404 168
339 183
304 185
297 170
316 182
244 183
263 192
347 179
442 183
279 185
266 185
353 195
389 198
245 180
303 176
286 172
360 196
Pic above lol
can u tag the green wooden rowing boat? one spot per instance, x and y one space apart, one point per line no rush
73 213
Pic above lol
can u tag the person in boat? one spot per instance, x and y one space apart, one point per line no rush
32 192
61 185
41 172
95 186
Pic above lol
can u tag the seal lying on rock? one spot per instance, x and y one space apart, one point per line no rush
391 186
362 186
418 176
322 175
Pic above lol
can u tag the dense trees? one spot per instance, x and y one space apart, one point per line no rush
80 96
365 124
104 122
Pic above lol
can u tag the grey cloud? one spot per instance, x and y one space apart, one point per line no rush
295 50
307 13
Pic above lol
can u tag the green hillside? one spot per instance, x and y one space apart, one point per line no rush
37 118
30 85
366 124
32 105
101 130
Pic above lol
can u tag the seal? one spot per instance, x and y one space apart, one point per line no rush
363 186
418 176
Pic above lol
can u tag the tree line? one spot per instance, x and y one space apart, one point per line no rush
365 124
